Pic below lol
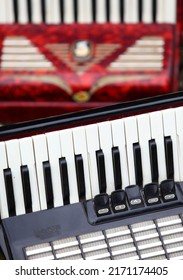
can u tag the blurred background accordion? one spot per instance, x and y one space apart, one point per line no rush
59 56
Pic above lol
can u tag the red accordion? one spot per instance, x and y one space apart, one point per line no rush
69 61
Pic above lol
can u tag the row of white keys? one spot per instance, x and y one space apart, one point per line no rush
52 14
101 11
114 7
84 11
36 11
166 12
161 6
6 11
147 15
170 11
131 11
69 11
22 11
3 11
145 127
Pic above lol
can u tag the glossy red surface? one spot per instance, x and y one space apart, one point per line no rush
69 85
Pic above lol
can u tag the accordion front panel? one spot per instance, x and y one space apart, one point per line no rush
59 56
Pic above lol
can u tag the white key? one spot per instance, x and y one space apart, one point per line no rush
131 11
14 162
144 134
93 146
179 127
3 198
161 7
52 11
67 151
170 11
69 11
156 122
101 11
22 11
147 15
114 7
105 139
27 158
131 138
169 125
80 147
84 11
118 136
41 155
3 11
10 18
54 153
36 11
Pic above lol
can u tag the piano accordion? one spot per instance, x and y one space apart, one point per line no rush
106 183
58 56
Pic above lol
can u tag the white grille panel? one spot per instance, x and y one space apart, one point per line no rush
150 240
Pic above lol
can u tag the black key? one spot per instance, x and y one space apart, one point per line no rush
94 10
121 9
151 193
153 160
138 163
107 10
9 191
168 190
169 157
101 171
101 204
134 197
48 184
15 9
43 10
26 188
140 10
118 201
29 10
154 10
75 11
116 168
64 180
80 176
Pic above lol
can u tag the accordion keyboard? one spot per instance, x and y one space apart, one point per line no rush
71 165
87 11
112 189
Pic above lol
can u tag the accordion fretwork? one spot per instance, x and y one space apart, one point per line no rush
59 56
